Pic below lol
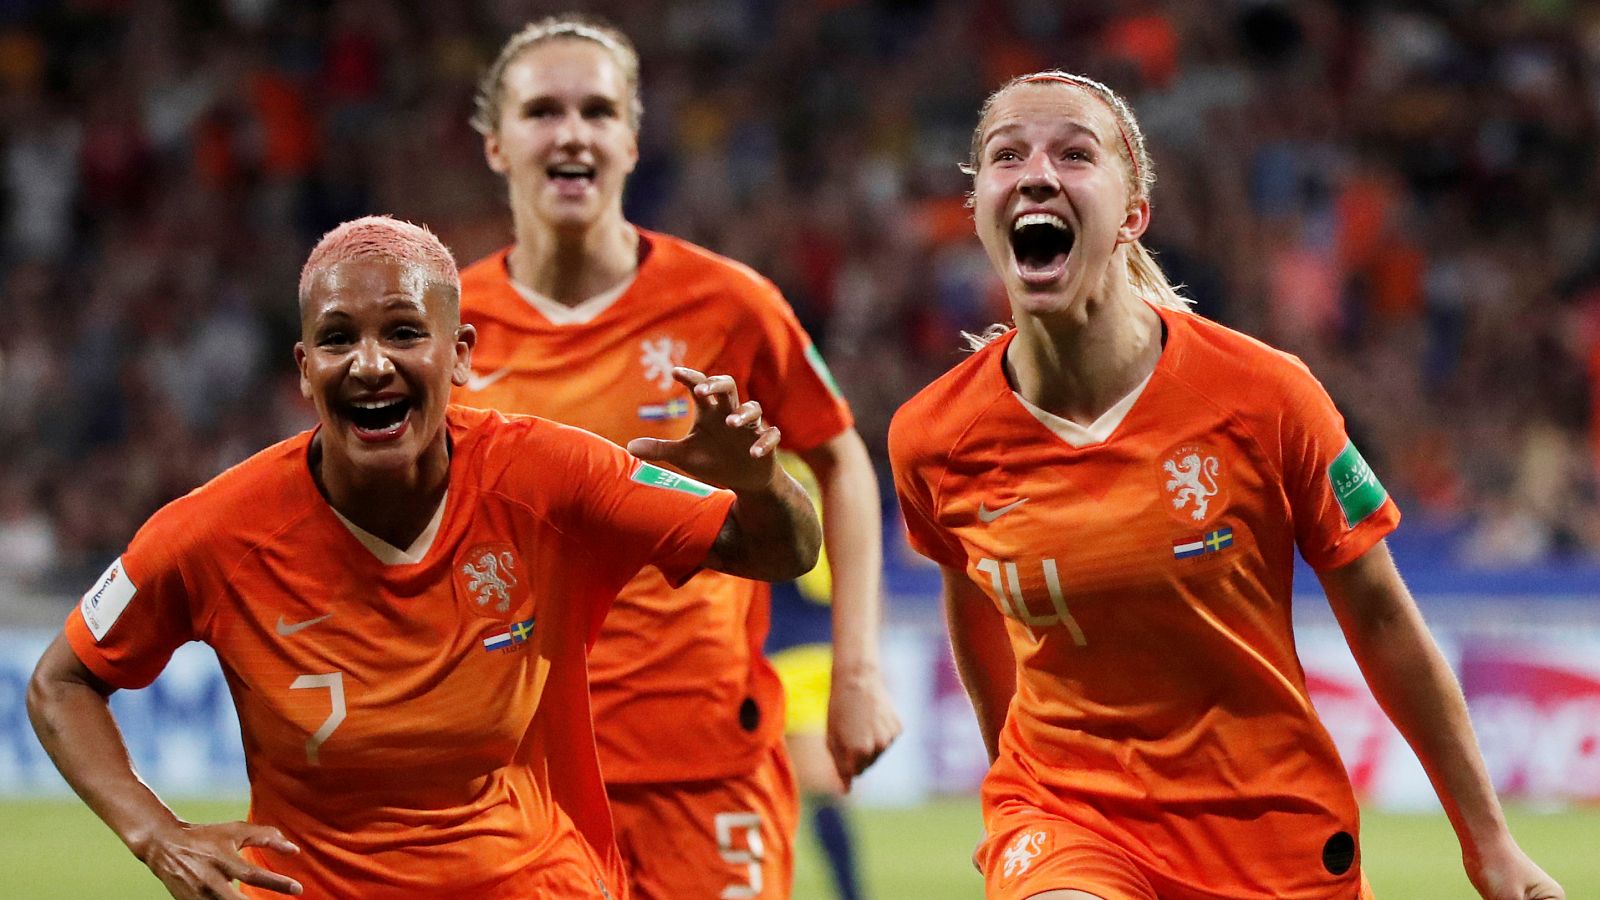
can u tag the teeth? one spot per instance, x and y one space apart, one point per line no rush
1050 219
573 169
374 404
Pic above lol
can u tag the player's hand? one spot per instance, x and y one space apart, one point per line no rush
728 446
861 722
1508 874
201 862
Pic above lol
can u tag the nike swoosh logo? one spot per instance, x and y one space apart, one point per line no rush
987 515
476 382
286 629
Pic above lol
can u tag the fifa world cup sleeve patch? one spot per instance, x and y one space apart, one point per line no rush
656 476
814 357
107 599
1355 485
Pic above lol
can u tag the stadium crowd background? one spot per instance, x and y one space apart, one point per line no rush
1405 194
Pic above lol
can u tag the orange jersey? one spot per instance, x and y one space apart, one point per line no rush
418 729
1145 582
680 689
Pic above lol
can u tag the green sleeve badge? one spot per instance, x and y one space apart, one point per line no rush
814 356
655 476
1358 490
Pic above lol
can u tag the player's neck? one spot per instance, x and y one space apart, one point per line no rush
570 267
393 506
1079 364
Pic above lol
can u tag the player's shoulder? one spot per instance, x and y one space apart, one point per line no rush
701 274
1235 368
497 444
942 415
274 485
485 281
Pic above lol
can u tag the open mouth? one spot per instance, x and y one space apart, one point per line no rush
1040 243
571 176
378 420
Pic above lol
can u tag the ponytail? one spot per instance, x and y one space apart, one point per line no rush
1149 283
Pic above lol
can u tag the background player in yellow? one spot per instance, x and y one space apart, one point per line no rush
580 319
1115 489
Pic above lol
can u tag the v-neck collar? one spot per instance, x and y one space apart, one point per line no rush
1104 428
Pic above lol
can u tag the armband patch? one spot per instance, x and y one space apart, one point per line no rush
107 599
1355 486
814 357
655 476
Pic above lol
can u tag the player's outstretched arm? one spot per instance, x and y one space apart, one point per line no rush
861 719
1413 683
982 652
771 532
69 710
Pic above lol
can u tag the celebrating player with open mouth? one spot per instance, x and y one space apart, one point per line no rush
401 601
1115 489
579 321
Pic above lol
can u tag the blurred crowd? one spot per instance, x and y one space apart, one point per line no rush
1404 194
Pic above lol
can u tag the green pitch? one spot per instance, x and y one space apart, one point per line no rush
57 850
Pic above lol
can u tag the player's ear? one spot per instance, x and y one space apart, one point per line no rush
1135 222
466 339
492 153
300 363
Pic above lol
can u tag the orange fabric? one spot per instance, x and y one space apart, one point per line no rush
674 669
671 842
1028 852
1160 703
453 766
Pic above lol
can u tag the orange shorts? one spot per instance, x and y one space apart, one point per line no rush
727 838
571 868
1029 852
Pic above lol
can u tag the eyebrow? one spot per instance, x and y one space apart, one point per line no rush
1014 126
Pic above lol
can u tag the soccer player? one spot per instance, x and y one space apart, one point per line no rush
1115 489
401 601
579 321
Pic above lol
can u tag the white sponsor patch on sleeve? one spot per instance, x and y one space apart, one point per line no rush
107 599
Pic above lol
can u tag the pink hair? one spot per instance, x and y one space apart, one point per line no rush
384 237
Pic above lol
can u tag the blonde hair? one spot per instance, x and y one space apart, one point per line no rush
1149 283
573 26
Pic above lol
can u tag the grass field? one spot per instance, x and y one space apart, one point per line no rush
57 850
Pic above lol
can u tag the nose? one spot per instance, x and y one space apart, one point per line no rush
570 130
1038 179
371 365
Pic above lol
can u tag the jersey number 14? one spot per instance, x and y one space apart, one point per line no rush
1014 604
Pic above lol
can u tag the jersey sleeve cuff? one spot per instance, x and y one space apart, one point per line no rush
701 533
1360 539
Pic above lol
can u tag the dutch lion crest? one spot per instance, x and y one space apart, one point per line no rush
490 577
1022 852
1191 479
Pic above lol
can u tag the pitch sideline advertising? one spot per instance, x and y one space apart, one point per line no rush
1534 697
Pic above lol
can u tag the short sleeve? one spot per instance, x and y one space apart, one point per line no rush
127 625
915 474
631 514
1339 506
790 379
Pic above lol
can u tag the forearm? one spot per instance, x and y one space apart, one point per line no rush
1414 684
74 724
852 527
771 534
983 656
